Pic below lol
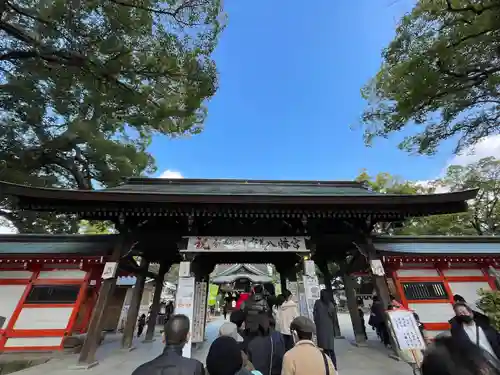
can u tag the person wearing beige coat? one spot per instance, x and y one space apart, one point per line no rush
285 314
305 358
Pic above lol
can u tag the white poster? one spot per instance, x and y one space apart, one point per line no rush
302 300
109 271
200 309
406 330
312 292
184 304
242 244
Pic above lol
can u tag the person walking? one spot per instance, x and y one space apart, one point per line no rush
171 361
469 327
285 314
140 325
305 358
224 358
255 306
377 318
361 314
324 314
169 310
230 329
264 349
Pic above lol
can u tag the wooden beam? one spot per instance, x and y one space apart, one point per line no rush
352 304
86 359
133 310
155 307
365 246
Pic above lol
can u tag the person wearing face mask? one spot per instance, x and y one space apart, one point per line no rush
466 327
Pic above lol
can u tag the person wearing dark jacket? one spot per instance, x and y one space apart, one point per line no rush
171 361
469 328
224 358
253 307
140 325
378 321
324 314
266 350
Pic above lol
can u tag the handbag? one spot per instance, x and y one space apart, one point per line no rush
325 360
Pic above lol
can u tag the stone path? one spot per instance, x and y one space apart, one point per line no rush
352 360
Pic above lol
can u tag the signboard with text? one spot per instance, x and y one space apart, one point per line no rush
200 309
184 304
242 244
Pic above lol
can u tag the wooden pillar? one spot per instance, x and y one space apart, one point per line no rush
283 281
327 279
380 285
86 358
206 278
352 304
155 307
135 303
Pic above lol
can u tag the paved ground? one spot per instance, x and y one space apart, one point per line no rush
352 360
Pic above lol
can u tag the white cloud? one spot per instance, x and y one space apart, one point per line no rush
488 146
171 174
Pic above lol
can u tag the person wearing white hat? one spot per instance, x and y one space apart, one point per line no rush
229 329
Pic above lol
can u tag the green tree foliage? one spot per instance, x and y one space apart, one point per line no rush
484 211
172 276
86 84
439 74
96 227
490 304
483 216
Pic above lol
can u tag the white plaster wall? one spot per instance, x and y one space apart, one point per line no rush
469 290
433 312
43 318
431 272
10 296
62 274
19 342
15 274
463 272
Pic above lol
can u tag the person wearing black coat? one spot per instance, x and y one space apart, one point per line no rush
254 307
467 327
267 349
171 361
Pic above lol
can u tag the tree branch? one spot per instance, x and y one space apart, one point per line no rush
477 9
173 14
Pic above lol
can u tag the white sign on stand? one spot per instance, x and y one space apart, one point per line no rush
184 304
312 292
109 271
406 330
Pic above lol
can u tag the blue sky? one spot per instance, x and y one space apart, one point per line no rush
290 79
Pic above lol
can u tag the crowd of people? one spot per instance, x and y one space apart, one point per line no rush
264 336
271 338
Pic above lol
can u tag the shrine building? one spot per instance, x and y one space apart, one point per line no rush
162 221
